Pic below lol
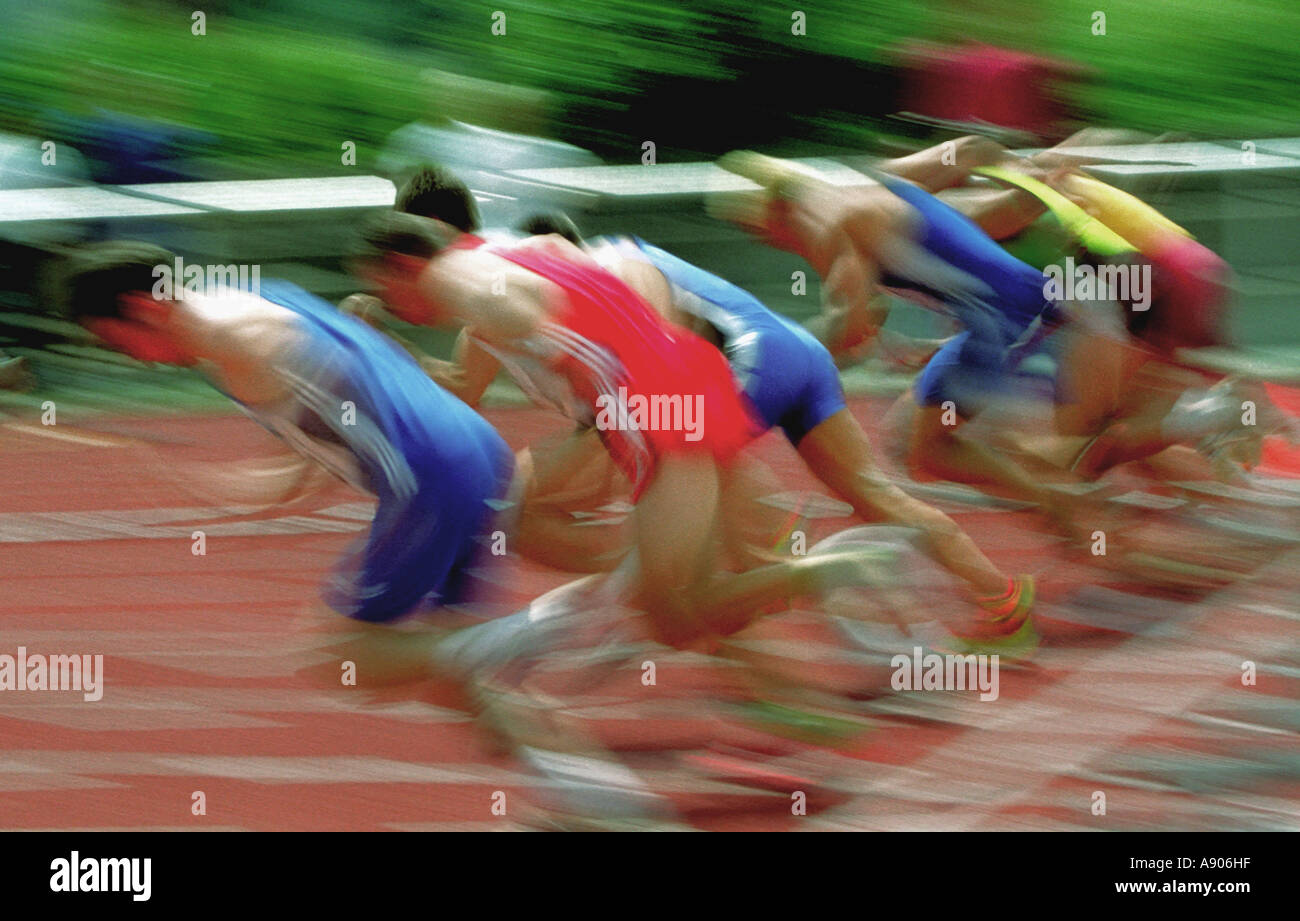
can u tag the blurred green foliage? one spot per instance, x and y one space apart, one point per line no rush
281 84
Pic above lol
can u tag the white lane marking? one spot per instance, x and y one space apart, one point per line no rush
61 434
159 524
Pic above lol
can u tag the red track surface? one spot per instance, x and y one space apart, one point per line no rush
216 680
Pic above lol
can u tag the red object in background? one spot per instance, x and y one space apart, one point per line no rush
984 83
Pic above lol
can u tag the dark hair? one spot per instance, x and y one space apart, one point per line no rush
406 234
545 222
92 278
436 193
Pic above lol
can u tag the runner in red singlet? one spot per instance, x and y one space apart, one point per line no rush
575 336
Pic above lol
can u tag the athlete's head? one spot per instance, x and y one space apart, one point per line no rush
1173 299
767 216
1192 292
115 291
556 222
435 193
398 248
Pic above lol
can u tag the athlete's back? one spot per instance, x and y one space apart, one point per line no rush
355 393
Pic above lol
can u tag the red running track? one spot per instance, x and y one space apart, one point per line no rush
217 680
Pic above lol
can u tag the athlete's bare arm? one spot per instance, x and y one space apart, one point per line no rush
471 370
852 308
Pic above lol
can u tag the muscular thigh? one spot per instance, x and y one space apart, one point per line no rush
676 523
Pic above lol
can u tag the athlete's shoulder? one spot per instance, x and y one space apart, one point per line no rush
279 291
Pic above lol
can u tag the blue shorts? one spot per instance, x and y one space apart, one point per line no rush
421 549
791 379
366 409
963 372
969 374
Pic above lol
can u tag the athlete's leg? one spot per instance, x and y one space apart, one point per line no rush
753 531
1179 464
382 654
1163 423
1121 442
957 384
839 454
680 587
939 448
566 517
1133 406
796 386
569 519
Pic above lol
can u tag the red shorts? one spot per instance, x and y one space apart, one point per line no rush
656 390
